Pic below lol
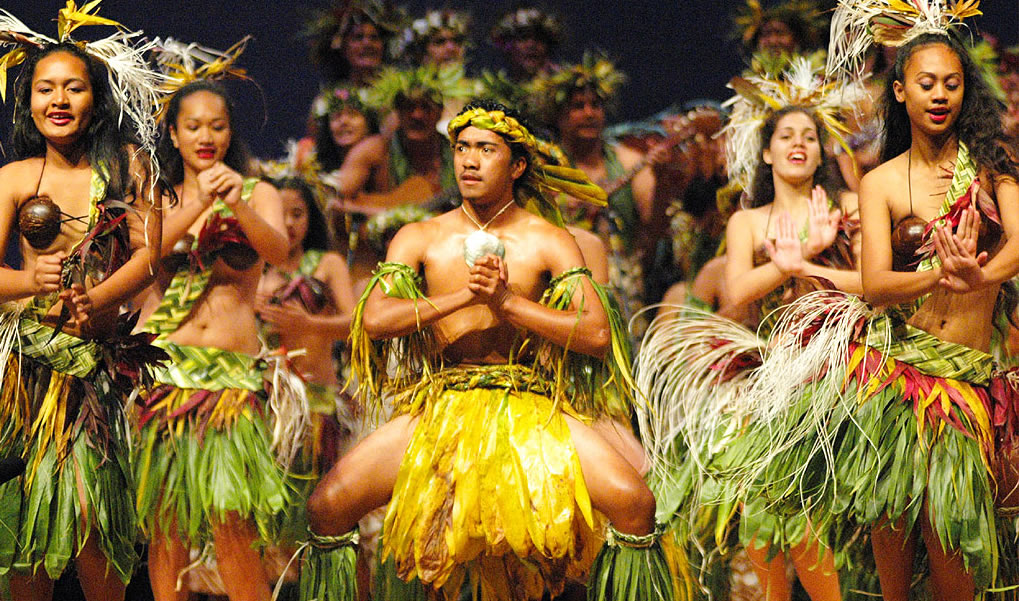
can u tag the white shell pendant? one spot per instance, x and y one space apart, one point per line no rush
481 243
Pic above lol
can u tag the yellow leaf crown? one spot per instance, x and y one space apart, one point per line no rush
548 172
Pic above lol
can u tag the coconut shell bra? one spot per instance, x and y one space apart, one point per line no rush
221 238
908 236
40 219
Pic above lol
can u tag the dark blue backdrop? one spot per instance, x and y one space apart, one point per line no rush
673 50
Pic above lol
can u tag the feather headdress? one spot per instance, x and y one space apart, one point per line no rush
185 63
285 166
595 71
758 96
288 166
857 24
135 86
548 172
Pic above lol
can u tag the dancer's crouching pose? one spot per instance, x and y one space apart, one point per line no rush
489 466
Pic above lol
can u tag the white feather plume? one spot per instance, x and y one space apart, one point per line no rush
135 86
853 29
9 24
285 166
758 96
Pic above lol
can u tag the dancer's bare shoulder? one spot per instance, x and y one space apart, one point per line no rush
19 179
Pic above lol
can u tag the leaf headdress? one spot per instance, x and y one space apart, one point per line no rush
527 21
857 24
346 14
595 71
338 97
327 28
752 16
989 60
437 84
134 85
758 96
548 172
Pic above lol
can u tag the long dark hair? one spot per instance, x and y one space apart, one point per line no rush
317 236
330 156
979 122
762 189
237 156
332 60
107 141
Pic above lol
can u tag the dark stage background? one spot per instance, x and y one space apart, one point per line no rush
673 51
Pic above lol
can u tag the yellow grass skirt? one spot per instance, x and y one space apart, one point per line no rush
491 488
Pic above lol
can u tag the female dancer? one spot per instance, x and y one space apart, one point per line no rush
205 464
80 196
342 120
766 261
350 45
914 438
306 304
776 251
307 300
943 155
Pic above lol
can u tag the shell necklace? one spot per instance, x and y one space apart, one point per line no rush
481 243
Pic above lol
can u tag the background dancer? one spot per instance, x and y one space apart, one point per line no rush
695 367
307 302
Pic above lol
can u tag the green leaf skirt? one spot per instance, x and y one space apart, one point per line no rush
70 431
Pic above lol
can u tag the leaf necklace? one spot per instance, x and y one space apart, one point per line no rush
481 243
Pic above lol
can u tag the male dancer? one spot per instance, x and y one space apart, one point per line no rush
489 460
